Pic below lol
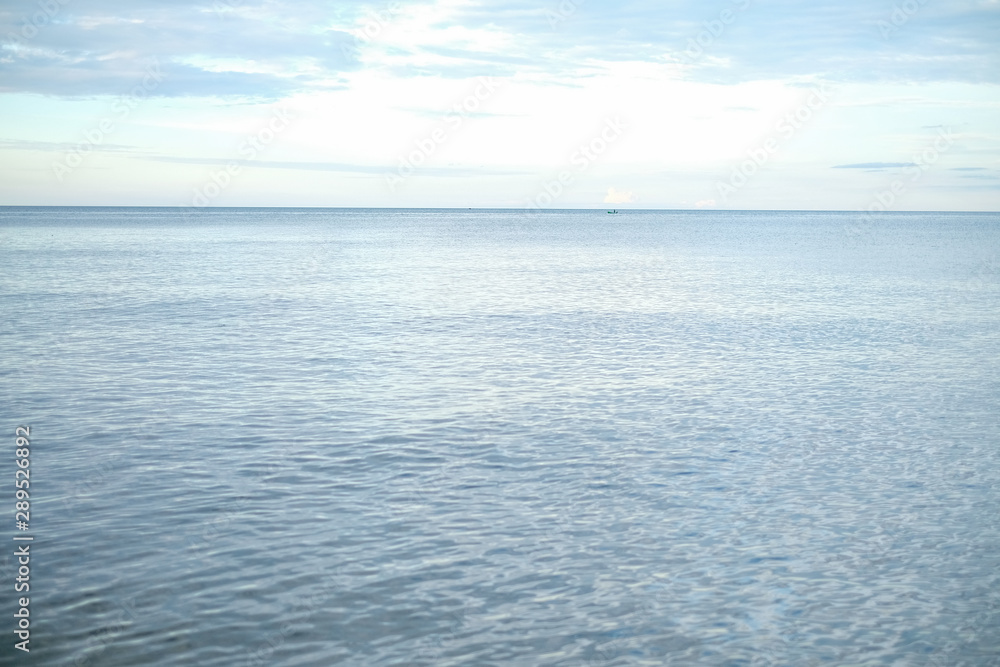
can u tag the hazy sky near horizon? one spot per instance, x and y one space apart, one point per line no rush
846 104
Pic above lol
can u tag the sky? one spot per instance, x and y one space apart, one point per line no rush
731 104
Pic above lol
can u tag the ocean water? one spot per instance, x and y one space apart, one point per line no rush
444 437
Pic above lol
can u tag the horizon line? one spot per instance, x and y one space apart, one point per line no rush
198 209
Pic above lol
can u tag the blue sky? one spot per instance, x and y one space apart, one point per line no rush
741 104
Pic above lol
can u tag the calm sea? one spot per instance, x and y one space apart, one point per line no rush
446 437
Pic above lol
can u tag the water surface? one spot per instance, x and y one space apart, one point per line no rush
423 437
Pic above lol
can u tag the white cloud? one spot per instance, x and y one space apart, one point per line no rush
619 196
369 83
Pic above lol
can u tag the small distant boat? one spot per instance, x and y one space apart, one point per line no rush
614 212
